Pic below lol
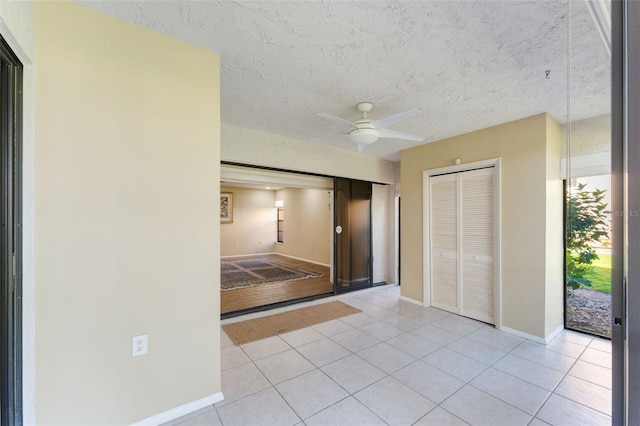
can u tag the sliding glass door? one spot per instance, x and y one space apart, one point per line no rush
352 235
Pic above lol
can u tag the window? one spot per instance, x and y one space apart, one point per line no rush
280 225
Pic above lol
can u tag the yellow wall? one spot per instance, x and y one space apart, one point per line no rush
127 148
527 216
307 224
253 230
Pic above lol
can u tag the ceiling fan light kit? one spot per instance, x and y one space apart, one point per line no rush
366 131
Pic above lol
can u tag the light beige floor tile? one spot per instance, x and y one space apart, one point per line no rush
538 422
586 393
353 373
538 353
440 417
529 371
381 330
522 395
458 325
323 352
349 411
495 338
575 337
301 337
333 327
566 347
393 402
559 411
232 356
429 381
283 366
478 408
436 334
404 322
208 413
224 339
358 320
355 340
386 357
311 393
453 363
241 381
265 347
414 345
592 373
476 350
209 418
424 316
601 345
264 408
595 356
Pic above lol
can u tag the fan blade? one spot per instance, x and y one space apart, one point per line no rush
334 118
388 133
392 119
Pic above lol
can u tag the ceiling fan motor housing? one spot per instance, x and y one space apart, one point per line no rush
364 133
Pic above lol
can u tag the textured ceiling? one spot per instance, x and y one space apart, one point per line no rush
465 65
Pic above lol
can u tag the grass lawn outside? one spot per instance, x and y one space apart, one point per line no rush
601 278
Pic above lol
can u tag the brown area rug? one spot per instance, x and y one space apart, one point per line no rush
272 325
254 272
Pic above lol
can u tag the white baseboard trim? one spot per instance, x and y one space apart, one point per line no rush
536 339
247 255
180 411
278 254
414 301
304 260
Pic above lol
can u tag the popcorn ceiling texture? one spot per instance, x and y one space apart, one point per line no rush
465 65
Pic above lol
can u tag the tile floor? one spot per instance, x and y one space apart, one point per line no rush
397 363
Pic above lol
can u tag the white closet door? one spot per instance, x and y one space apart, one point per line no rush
444 242
477 244
462 243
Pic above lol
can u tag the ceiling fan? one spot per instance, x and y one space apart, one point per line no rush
366 131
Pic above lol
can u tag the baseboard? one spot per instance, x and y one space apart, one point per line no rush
277 254
180 411
536 339
304 260
414 301
247 255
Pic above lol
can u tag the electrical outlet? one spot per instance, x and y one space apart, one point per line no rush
139 345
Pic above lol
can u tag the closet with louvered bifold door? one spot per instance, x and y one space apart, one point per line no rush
462 272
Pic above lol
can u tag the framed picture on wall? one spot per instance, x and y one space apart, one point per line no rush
226 207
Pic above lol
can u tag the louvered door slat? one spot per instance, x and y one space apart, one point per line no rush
444 242
477 244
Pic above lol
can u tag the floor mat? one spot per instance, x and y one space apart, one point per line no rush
273 325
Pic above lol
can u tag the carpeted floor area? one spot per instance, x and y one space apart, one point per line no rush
253 272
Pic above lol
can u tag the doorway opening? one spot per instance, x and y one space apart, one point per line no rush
588 255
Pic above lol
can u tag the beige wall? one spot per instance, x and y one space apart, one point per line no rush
554 300
263 149
16 27
127 145
253 230
307 224
527 276
380 218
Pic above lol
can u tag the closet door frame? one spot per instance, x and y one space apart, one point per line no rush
426 228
